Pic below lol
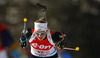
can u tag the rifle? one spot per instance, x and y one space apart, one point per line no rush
43 9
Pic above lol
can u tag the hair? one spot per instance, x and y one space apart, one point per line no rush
41 20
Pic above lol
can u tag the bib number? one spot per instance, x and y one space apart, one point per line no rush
42 53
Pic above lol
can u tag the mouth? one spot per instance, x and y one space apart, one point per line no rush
40 38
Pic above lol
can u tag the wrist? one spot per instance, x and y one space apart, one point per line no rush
22 40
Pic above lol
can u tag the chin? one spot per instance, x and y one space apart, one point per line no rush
40 39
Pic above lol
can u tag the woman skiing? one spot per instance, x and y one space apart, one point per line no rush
42 40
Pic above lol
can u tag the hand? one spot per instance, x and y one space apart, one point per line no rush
23 41
23 37
61 45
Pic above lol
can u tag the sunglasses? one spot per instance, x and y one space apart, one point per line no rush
42 33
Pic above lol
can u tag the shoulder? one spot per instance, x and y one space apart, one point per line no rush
52 32
29 32
58 36
32 30
58 33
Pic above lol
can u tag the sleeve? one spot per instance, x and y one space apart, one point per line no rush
59 36
7 39
29 33
24 37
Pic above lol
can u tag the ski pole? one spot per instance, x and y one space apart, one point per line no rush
25 30
75 49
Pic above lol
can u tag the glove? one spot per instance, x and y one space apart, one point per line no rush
23 41
23 37
61 45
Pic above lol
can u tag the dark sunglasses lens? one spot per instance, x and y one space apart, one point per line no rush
42 33
37 33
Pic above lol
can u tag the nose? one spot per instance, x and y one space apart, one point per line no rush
39 35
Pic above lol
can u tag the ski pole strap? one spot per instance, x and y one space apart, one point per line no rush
62 36
75 49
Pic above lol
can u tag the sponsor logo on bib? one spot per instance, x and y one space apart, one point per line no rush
35 45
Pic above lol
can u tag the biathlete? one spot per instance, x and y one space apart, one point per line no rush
42 40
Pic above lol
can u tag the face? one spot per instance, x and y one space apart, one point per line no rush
41 34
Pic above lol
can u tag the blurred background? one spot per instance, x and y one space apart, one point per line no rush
80 19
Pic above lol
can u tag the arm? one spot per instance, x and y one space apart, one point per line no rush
24 37
60 38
